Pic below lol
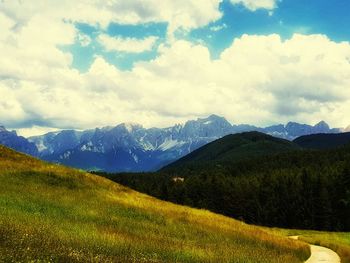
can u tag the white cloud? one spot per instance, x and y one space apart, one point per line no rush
253 5
185 14
35 130
37 83
258 79
84 39
130 45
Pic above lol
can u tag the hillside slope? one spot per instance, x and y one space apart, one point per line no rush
304 189
233 148
52 213
323 141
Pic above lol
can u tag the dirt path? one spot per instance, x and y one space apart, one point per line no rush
321 254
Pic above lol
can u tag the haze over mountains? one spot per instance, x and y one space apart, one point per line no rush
131 147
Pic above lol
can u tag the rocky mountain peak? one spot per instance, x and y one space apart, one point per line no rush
322 124
212 126
214 119
130 126
19 143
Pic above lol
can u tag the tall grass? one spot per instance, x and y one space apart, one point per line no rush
337 241
52 213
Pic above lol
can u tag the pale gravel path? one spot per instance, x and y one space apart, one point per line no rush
321 254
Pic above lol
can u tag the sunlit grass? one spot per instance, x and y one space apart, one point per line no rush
52 213
337 241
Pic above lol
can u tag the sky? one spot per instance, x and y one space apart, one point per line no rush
92 63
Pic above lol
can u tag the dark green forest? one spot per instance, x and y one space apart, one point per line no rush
298 188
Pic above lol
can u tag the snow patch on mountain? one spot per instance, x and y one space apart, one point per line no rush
134 156
41 145
170 143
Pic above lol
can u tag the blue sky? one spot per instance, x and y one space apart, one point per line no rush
83 56
90 64
291 16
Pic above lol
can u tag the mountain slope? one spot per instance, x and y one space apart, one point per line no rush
18 143
233 148
323 141
129 146
52 213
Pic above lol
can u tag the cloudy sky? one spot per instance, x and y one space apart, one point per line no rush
88 63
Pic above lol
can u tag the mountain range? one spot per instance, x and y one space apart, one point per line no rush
131 147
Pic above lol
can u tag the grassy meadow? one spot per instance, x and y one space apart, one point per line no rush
52 213
337 241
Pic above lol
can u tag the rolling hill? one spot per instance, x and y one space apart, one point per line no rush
52 213
323 141
259 179
233 148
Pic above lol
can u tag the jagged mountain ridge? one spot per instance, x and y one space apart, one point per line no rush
131 147
19 143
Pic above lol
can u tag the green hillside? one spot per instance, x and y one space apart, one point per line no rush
323 141
50 213
233 148
282 186
337 241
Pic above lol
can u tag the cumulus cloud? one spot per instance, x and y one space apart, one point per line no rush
130 45
253 5
185 14
257 79
37 83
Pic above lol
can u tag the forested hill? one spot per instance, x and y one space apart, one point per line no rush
233 148
295 189
323 141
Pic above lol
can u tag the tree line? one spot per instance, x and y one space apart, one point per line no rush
297 189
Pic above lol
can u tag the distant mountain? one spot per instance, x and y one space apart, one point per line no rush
323 141
131 147
293 130
233 148
19 143
128 146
